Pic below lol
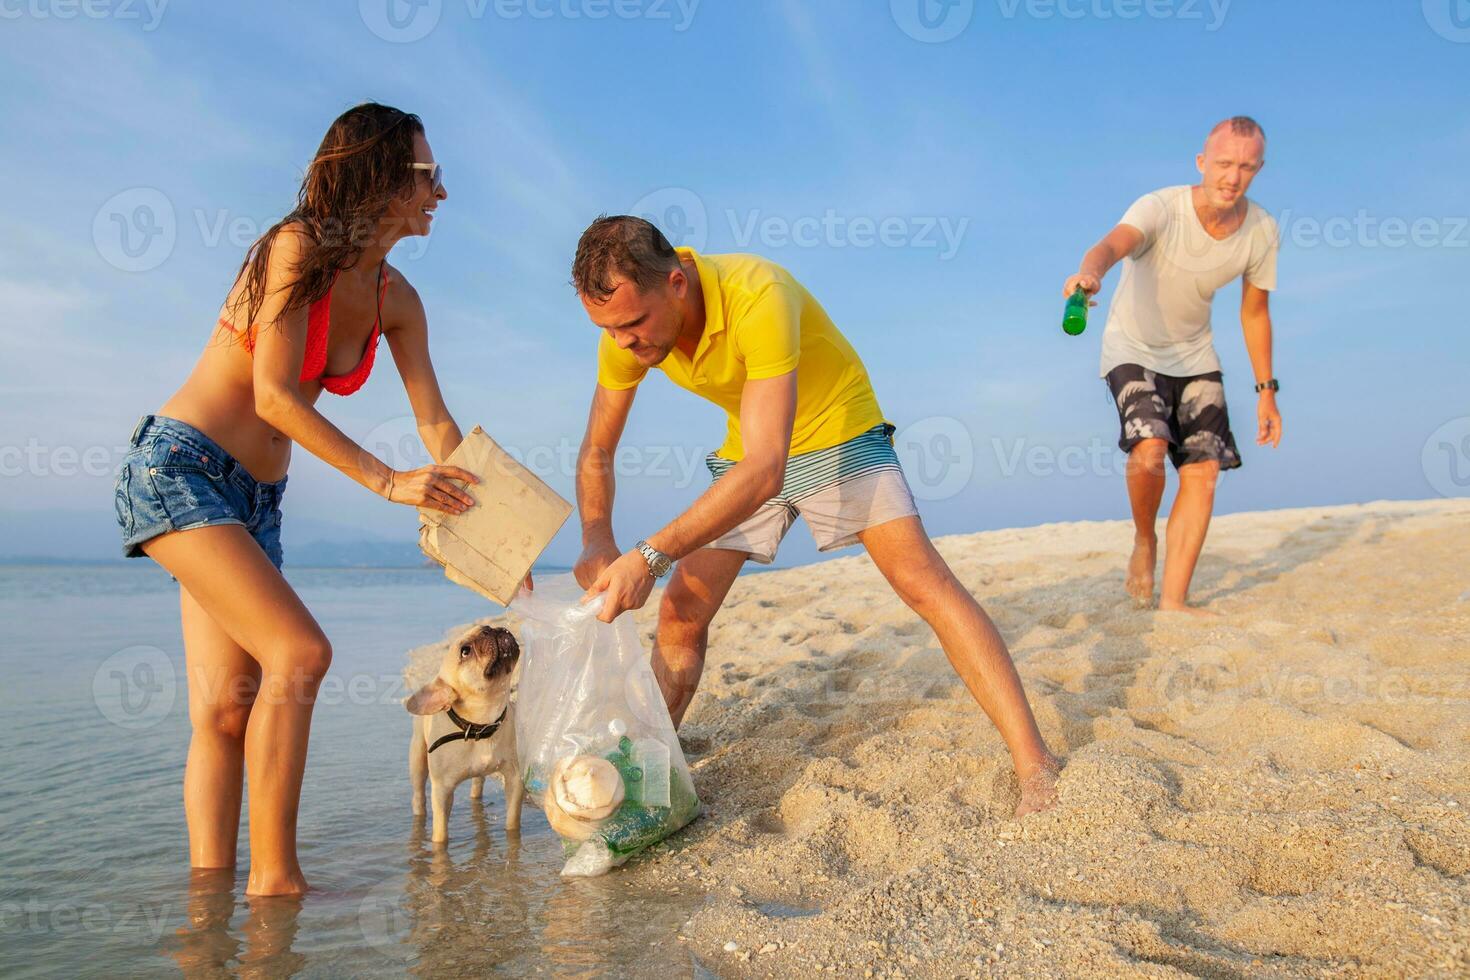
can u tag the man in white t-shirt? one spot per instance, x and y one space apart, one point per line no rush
1158 356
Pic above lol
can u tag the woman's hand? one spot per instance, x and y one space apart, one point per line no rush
432 487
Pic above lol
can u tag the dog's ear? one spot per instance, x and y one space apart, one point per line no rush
431 699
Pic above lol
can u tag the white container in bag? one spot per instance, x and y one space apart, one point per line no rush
587 692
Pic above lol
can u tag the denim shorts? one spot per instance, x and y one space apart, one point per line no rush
175 478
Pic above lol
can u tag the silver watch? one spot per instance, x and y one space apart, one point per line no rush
658 562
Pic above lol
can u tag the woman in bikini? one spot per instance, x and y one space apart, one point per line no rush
200 488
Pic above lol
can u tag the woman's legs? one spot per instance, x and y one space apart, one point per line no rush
222 684
228 575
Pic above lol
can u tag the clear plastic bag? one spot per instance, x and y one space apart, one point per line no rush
597 749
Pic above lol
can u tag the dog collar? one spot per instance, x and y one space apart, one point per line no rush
469 731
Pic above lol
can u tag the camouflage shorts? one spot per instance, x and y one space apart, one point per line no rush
1189 413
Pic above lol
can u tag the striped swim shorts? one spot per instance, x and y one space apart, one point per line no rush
839 492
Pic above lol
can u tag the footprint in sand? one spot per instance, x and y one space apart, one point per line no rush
768 822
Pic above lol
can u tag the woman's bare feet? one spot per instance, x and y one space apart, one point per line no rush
1039 787
263 883
1141 568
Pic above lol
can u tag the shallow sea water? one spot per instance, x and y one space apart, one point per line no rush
94 876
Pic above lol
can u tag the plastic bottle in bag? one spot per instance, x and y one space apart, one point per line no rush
588 700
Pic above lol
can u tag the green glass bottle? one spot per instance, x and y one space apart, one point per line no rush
1074 319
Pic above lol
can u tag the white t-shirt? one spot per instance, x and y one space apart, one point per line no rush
1160 315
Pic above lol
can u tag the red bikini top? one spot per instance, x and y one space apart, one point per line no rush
318 326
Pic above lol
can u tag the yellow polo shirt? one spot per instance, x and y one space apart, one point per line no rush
759 322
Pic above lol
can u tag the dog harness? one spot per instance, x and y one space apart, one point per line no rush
469 731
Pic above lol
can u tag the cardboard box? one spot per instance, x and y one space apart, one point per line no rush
492 546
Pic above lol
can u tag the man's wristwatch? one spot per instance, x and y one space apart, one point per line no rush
658 562
1273 385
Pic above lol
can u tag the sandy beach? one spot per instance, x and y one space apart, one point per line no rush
1277 792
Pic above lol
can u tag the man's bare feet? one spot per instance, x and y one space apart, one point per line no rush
1175 606
1039 787
262 884
1141 568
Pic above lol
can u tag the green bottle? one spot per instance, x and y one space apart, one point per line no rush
1074 319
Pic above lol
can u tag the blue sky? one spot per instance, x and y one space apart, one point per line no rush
932 180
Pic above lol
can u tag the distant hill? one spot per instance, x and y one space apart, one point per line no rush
356 554
63 536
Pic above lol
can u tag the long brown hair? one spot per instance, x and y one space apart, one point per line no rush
361 165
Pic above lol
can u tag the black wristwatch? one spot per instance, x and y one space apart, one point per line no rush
1273 385
658 562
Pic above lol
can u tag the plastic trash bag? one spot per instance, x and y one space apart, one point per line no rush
597 749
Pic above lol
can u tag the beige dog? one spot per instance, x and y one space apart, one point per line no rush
464 726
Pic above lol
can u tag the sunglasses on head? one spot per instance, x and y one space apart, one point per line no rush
436 174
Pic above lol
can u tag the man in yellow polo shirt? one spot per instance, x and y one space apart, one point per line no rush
805 437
